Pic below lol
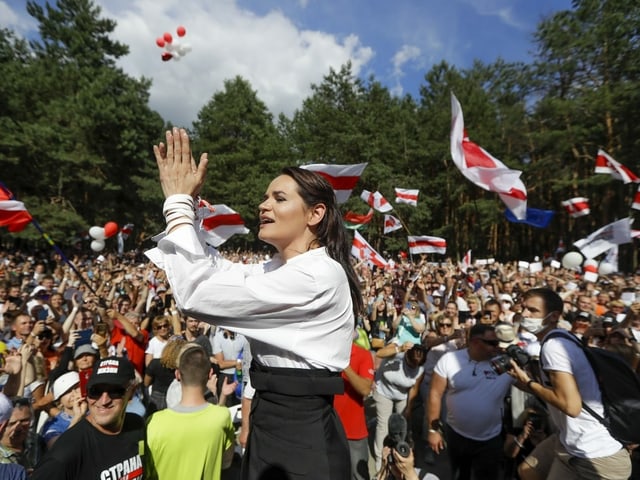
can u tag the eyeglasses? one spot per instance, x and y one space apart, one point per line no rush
446 325
493 343
115 392
166 325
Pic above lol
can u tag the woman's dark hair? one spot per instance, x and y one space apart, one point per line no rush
330 232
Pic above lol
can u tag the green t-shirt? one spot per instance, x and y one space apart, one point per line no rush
188 442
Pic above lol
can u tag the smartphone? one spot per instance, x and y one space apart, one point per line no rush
84 337
42 314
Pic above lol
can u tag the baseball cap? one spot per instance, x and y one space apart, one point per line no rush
6 407
112 371
582 315
64 383
505 297
506 335
609 318
83 349
37 290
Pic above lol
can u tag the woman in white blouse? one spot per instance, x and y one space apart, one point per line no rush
297 310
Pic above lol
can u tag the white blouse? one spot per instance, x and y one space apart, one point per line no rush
296 314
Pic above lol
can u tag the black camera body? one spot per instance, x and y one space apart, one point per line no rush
501 363
397 437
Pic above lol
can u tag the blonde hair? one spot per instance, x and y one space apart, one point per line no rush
171 352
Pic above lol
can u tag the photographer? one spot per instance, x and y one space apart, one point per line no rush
401 468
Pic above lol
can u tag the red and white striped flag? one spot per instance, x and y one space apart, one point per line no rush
391 224
343 178
606 164
355 220
427 244
466 262
13 214
636 200
577 207
219 222
405 195
486 171
376 200
363 251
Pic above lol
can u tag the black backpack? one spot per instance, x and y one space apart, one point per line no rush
620 389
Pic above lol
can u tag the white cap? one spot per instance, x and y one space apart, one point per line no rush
64 383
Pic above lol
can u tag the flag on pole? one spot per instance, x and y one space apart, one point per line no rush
427 244
376 200
13 214
219 222
636 200
343 178
123 234
605 238
405 195
466 262
391 224
355 221
606 164
577 207
486 171
363 251
535 217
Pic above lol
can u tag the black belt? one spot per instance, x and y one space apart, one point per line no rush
295 381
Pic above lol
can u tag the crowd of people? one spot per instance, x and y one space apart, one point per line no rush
421 311
169 363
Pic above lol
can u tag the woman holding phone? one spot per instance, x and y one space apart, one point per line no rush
297 310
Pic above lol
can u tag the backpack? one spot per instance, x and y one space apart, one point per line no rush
619 387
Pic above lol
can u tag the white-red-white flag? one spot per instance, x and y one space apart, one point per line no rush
13 214
365 252
636 200
427 244
616 233
577 207
343 178
219 222
466 262
376 201
483 169
391 224
606 164
408 196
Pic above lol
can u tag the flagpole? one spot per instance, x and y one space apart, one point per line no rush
57 249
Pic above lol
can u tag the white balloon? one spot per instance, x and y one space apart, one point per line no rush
170 47
571 260
97 232
97 245
605 268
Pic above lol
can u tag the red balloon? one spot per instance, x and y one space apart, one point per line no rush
166 56
181 31
110 229
160 42
167 37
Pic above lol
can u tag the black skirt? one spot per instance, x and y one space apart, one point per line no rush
295 433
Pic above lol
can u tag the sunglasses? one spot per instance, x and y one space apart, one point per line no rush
493 343
115 392
446 325
166 325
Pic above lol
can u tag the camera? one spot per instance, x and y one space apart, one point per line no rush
502 363
397 438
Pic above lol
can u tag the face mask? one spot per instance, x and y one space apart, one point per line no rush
532 325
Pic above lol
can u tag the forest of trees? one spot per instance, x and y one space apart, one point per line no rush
77 134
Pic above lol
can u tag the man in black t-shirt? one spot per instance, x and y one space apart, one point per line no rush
108 443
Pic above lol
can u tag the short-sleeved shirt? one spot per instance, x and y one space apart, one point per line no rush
135 349
350 405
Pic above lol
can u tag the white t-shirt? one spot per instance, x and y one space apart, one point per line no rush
394 378
155 347
475 395
582 436
296 314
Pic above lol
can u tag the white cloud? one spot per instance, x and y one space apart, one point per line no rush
15 19
501 9
279 60
407 53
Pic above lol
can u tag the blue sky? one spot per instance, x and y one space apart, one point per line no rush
283 46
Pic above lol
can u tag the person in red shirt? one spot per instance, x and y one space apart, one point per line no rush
127 336
358 380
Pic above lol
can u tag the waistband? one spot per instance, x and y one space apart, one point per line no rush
295 381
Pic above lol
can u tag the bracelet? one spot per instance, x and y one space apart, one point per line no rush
515 440
431 430
529 383
397 348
